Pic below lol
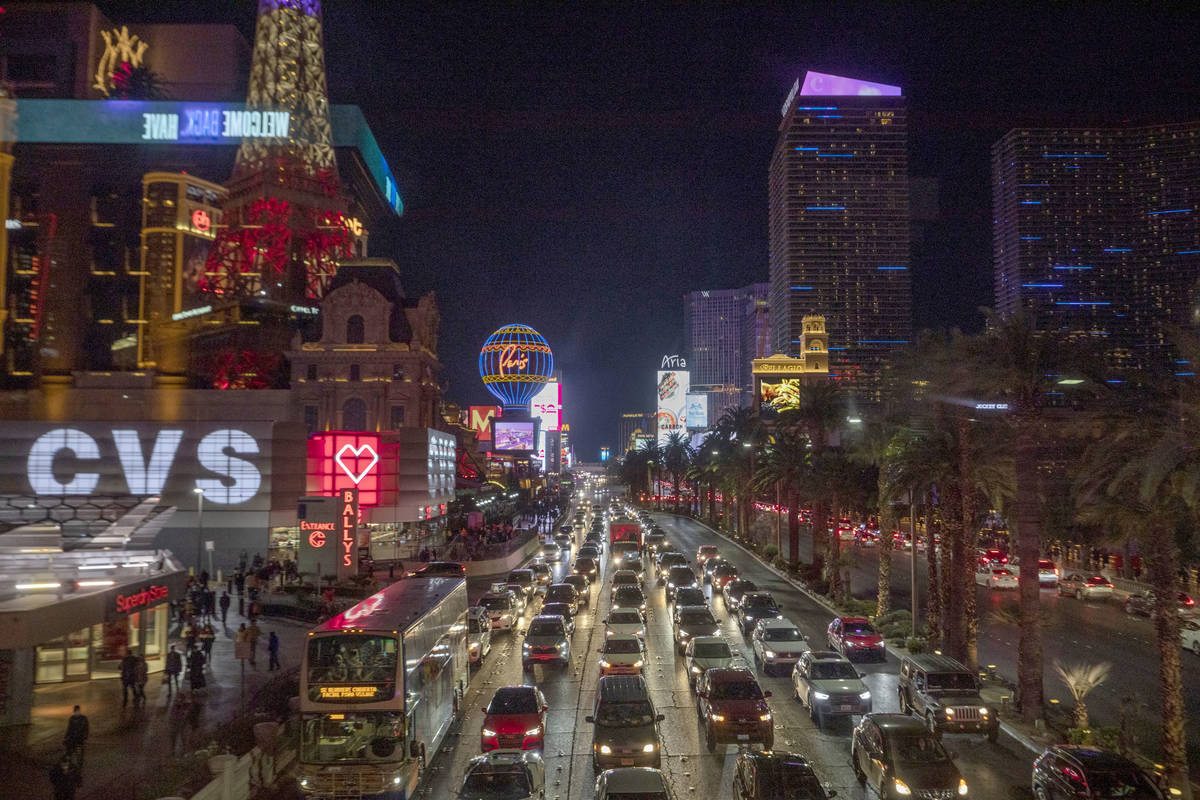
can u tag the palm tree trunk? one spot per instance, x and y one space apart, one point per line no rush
933 595
1029 545
969 623
883 593
1163 565
819 538
793 522
835 552
953 551
712 505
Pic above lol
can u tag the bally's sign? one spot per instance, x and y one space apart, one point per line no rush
230 465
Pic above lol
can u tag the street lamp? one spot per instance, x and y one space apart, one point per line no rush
199 526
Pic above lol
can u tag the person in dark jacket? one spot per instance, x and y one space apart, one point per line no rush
128 679
196 670
76 737
174 667
224 606
65 779
273 652
141 674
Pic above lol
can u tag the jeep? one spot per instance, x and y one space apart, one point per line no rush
946 695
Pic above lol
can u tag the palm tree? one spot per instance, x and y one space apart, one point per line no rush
744 433
1080 680
819 413
677 454
652 458
872 448
787 464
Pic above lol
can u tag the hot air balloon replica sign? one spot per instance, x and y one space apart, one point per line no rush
514 363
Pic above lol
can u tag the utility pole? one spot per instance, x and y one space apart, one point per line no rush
199 528
912 533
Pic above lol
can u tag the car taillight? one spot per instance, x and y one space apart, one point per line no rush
1189 601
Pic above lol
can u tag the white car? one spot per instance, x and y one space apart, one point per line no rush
630 783
502 608
1085 587
622 654
625 621
777 642
996 578
707 652
1189 635
1048 573
505 775
551 552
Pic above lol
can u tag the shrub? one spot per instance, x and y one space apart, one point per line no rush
857 608
1107 736
1079 735
769 552
914 644
899 616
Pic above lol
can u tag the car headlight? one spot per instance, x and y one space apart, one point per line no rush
562 645
983 711
949 712
488 733
605 750
764 717
638 664
962 786
820 695
717 717
304 782
605 664
396 781
524 647
749 617
474 645
769 653
534 731
900 786
684 634
648 748
670 585
864 695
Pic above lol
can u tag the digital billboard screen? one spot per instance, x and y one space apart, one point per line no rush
514 435
697 411
672 402
779 395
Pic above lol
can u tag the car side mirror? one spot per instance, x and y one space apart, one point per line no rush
599 649
862 674
484 710
589 718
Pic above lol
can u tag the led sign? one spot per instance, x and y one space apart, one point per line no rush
126 603
479 419
201 221
339 461
191 312
362 692
214 123
818 84
347 533
349 454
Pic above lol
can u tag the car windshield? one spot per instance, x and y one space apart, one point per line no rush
1045 565
514 701
859 628
626 579
740 587
496 603
562 609
545 627
690 596
585 563
833 670
699 616
920 749
679 575
956 681
759 602
628 596
1121 783
347 736
622 646
736 690
625 618
624 715
783 635
712 650
487 784
560 594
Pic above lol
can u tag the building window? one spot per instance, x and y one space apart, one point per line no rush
397 372
312 419
355 373
311 373
397 420
354 415
355 330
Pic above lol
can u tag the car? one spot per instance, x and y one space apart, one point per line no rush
1142 604
505 775
994 556
551 552
945 694
1189 635
562 593
479 634
518 593
438 569
1085 587
777 642
565 541
525 579
900 758
705 552
867 538
996 577
626 724
543 576
626 553
678 577
689 621
625 577
588 550
707 652
689 596
1073 772
706 569
582 587
502 608
828 685
1048 572
585 566
733 708
633 783
732 592
755 606
546 641
723 574
776 776
629 597
625 620
665 561
515 719
563 610
622 654
856 638
656 540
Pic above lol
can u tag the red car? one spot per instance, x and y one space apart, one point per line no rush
515 720
855 638
733 708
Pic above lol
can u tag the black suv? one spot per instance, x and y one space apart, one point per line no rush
776 776
900 758
1065 772
946 695
756 606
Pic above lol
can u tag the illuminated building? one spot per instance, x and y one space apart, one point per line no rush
631 425
839 225
1097 231
777 378
723 330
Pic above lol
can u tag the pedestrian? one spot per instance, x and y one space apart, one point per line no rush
141 674
128 668
255 610
196 670
252 634
207 637
273 652
75 738
224 607
173 668
241 605
65 779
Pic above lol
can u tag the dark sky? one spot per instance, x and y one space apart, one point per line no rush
579 170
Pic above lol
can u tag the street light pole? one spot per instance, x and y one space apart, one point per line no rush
912 534
199 527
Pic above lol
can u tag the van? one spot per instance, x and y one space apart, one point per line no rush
625 732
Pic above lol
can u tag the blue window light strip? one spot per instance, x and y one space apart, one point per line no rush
802 288
835 348
1039 185
1182 374
891 268
1074 155
1031 202
1170 211
1029 238
1183 362
1185 252
1071 167
1113 380
816 108
829 116
1118 249
808 148
1082 303
825 208
1071 268
1041 285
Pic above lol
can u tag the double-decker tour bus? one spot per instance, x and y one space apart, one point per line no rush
379 688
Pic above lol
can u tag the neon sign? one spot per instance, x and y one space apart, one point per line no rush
339 461
819 84
127 603
347 529
214 123
201 221
357 472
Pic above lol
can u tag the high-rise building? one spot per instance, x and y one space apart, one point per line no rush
839 225
1096 230
630 425
722 329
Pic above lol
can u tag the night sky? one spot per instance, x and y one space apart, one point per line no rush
581 170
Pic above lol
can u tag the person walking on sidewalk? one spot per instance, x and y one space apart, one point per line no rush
128 668
273 652
207 637
174 667
65 779
196 670
141 674
224 607
75 738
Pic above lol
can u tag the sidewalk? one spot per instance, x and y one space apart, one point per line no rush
139 753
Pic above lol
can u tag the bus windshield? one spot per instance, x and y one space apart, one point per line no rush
352 736
351 667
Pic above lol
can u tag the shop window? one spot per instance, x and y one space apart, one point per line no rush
355 330
397 419
355 372
354 415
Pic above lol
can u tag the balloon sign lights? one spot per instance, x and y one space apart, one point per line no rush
514 363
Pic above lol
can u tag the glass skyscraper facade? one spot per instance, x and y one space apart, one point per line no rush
1096 231
720 327
839 226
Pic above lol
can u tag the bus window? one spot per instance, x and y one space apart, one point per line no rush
352 736
351 667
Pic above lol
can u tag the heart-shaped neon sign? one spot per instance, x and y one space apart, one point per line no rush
357 452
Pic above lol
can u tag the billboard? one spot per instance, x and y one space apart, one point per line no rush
673 383
697 411
820 84
514 435
546 406
780 394
479 419
338 461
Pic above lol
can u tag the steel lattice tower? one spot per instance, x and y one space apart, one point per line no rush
284 221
